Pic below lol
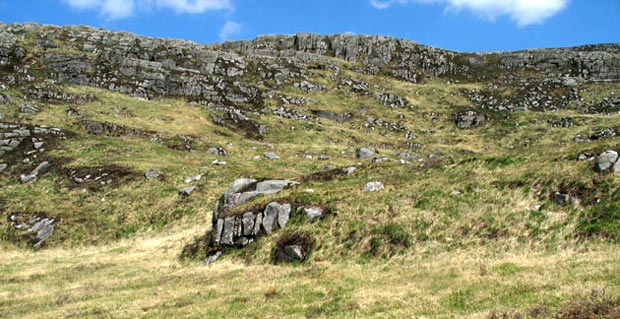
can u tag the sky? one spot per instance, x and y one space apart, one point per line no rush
462 25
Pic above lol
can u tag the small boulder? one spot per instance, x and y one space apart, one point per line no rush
364 152
193 178
561 199
349 170
606 161
151 174
212 258
272 156
290 253
313 212
3 166
373 187
186 191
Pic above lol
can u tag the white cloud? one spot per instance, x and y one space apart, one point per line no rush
84 4
194 6
522 12
230 29
117 9
120 9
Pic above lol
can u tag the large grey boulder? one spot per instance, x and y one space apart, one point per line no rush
283 215
275 214
364 152
248 223
606 161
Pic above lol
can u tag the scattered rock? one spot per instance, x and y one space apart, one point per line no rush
380 160
3 167
373 186
211 259
606 160
328 167
218 162
561 199
29 109
364 152
218 151
151 174
32 177
194 178
469 119
272 156
290 253
186 191
313 212
349 170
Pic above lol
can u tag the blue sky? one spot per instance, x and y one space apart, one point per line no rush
464 25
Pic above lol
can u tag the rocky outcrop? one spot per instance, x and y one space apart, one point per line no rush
230 74
232 228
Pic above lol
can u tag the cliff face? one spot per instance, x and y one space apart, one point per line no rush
230 74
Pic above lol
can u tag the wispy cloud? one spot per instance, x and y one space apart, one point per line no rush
120 9
230 29
522 12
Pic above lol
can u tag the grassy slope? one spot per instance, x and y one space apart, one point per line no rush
456 238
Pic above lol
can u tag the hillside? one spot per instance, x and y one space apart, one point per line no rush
319 176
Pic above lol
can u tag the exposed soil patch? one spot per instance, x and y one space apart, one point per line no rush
95 178
323 176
